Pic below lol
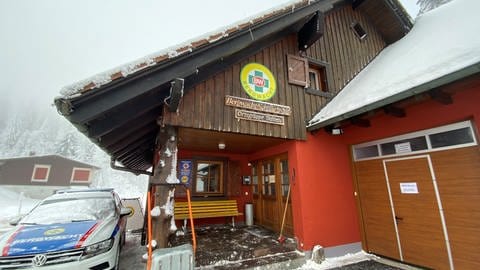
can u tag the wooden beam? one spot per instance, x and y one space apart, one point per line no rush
394 111
356 3
360 122
441 97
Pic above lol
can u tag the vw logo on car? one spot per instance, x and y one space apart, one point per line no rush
39 260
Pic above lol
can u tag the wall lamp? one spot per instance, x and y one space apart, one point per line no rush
221 145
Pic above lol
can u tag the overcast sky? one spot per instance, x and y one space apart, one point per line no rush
48 44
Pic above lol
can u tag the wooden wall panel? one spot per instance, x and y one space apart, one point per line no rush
204 106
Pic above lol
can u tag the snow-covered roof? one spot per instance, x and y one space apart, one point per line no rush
443 41
153 59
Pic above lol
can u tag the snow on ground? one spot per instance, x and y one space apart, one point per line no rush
337 261
10 202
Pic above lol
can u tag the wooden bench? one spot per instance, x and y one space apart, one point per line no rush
207 209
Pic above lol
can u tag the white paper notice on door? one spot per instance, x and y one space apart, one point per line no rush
409 188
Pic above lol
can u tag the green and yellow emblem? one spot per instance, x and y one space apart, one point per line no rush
54 231
258 81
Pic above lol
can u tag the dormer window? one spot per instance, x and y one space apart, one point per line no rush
40 173
358 30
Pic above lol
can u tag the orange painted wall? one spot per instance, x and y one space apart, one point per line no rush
324 210
325 193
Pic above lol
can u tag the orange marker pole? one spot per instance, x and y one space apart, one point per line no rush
149 229
194 238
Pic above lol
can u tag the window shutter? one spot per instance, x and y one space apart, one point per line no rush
40 174
297 70
81 175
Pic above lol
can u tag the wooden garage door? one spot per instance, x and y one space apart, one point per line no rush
378 227
457 175
416 206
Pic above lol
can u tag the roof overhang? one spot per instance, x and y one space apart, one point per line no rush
121 116
441 81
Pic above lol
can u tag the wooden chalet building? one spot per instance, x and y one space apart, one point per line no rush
40 176
252 111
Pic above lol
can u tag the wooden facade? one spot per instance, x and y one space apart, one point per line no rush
132 116
203 107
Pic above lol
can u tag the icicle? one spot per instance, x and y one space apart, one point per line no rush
173 227
155 211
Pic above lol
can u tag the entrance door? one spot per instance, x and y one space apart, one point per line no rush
417 212
271 182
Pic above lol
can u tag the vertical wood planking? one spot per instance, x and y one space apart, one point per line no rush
204 107
288 92
281 77
220 109
235 92
276 98
227 119
296 90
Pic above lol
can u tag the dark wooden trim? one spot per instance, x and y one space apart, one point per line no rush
102 127
319 93
440 96
394 111
356 3
360 122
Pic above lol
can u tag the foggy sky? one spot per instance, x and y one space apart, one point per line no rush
48 44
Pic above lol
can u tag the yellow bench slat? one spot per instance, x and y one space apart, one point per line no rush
206 209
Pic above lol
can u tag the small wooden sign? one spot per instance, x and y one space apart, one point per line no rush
261 106
259 117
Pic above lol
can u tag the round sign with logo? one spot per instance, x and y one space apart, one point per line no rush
258 81
54 231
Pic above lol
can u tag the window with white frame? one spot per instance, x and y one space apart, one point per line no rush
40 173
81 175
445 137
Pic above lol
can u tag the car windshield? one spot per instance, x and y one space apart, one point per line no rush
71 210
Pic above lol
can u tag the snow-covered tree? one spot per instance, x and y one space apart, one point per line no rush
426 5
67 146
41 131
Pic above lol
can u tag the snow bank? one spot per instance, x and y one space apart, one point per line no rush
337 261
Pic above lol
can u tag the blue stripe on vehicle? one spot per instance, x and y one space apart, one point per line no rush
46 238
117 228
